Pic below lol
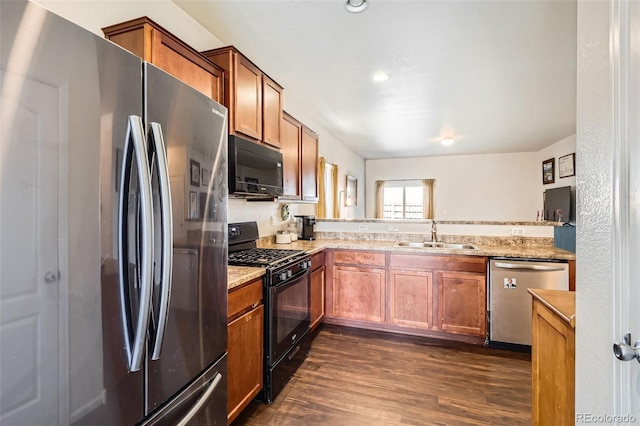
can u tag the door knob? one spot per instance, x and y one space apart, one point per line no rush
50 277
624 351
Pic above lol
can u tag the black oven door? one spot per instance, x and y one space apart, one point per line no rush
288 317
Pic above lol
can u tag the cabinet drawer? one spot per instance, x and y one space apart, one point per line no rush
439 262
317 260
244 298
359 258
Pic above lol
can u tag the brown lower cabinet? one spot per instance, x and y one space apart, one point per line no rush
553 354
245 346
422 294
317 289
410 294
462 303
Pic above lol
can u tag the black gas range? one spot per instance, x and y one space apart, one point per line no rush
287 340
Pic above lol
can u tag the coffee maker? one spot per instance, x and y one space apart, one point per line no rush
305 227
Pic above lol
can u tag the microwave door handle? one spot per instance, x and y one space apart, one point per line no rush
166 218
135 346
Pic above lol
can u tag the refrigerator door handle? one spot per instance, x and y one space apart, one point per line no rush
166 218
201 401
503 265
135 348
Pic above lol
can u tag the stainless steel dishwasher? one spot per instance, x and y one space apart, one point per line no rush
509 302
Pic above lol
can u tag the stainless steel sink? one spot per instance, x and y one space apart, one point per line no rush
435 245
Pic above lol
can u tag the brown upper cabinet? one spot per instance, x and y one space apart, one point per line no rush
291 135
154 44
253 99
300 157
309 164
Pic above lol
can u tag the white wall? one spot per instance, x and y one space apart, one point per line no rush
557 150
95 15
468 187
478 187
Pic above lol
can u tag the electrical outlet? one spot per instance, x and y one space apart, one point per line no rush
517 231
362 227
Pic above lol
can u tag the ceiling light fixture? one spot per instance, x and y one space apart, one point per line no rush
447 141
380 76
356 6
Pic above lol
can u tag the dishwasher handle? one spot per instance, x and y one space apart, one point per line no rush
503 265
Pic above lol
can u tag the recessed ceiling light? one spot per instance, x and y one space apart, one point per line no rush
356 6
447 141
380 76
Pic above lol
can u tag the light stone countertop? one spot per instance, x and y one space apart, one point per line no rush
240 275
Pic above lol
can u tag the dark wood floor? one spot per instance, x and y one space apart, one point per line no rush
358 377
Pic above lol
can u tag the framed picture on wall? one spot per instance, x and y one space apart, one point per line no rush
351 193
206 176
548 171
195 173
193 205
567 165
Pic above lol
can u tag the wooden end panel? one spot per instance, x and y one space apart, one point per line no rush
133 41
317 260
476 264
572 275
553 368
357 257
242 299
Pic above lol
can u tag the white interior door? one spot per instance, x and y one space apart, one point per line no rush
627 233
29 253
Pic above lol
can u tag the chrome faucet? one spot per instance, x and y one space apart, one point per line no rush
434 232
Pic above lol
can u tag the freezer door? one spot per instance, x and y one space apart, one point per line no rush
67 99
202 403
509 301
193 327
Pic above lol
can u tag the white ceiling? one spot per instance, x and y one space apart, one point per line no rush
499 76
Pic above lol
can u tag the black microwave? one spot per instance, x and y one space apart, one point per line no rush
254 169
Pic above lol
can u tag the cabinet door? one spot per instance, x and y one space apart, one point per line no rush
290 139
462 303
317 297
359 293
271 112
244 360
410 298
309 164
248 98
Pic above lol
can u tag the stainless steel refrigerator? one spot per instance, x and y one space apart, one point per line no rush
113 217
